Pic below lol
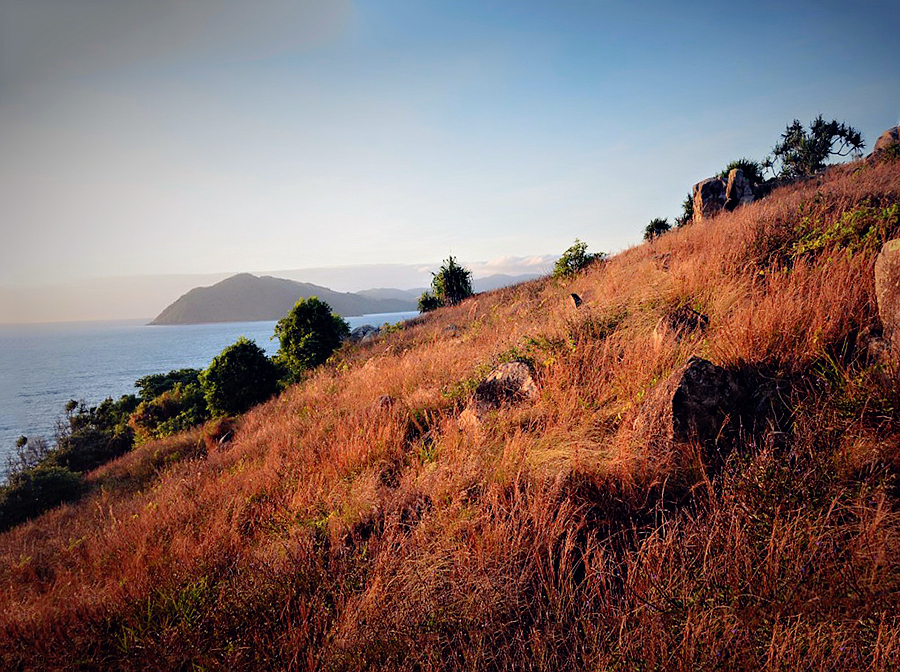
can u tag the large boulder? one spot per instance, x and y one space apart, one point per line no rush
709 197
738 191
887 293
364 334
508 384
889 138
694 405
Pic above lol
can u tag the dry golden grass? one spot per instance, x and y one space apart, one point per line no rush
340 529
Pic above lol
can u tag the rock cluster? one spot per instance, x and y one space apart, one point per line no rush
715 194
364 334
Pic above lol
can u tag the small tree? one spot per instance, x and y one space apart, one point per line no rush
450 285
656 227
238 378
687 211
575 259
802 153
309 333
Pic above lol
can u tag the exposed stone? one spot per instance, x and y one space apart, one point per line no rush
362 333
888 138
509 383
887 293
693 405
709 197
576 300
450 330
680 322
739 190
384 402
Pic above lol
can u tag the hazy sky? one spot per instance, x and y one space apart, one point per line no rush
203 136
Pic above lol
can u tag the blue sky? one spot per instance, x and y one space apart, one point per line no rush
215 136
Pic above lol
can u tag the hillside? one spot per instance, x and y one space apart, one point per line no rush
245 298
703 474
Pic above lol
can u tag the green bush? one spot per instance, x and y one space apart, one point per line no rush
687 211
802 153
450 285
156 384
428 302
173 411
309 334
239 377
656 227
31 492
752 170
575 259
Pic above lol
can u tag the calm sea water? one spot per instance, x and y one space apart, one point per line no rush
43 366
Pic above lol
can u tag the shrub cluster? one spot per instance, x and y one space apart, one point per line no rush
450 285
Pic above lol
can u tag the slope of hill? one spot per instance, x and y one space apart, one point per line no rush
245 298
373 517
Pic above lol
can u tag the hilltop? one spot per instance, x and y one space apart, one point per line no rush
246 298
698 469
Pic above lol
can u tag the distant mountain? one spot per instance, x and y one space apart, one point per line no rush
247 298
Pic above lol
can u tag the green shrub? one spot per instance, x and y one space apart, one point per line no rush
656 227
31 492
173 411
752 170
239 377
802 153
309 334
428 302
687 211
575 259
450 285
156 384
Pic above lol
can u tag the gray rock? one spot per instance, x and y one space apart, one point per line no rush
739 190
693 405
888 138
680 322
364 333
704 398
887 293
709 197
508 384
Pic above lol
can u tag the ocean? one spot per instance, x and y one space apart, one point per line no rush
42 366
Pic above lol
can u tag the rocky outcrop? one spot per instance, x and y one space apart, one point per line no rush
709 197
715 194
890 138
739 190
508 384
576 300
364 334
679 323
887 294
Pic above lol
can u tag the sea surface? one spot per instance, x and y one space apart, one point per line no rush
42 366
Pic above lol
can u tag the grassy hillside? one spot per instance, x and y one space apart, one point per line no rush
355 522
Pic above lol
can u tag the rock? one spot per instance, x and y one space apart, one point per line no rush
576 300
709 197
889 138
680 322
693 405
361 334
887 293
509 383
450 330
739 190
384 403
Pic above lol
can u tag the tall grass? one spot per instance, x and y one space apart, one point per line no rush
355 523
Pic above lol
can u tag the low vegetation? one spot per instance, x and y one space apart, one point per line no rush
355 522
450 285
574 260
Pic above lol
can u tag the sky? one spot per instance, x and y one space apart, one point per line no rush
198 138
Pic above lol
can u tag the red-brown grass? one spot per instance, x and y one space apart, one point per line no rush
354 523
